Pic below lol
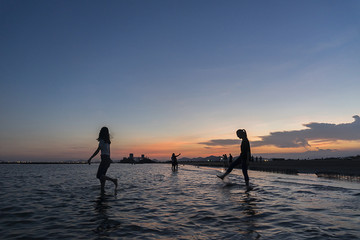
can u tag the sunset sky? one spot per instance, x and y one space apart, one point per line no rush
179 76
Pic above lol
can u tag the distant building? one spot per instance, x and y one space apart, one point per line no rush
135 160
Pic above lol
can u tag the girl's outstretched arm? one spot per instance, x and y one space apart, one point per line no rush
95 153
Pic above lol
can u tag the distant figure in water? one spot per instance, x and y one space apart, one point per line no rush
174 162
230 158
244 157
104 147
225 158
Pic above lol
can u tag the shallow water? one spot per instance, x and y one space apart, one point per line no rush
152 202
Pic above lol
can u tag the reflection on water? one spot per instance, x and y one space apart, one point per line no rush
339 177
101 208
249 209
105 224
42 201
249 205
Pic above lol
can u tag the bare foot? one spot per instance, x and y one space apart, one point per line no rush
221 176
248 188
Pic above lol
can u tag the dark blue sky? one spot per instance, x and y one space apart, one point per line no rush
165 75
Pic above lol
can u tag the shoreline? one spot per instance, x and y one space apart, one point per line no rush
331 166
344 167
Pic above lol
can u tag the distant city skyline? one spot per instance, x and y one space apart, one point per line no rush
179 76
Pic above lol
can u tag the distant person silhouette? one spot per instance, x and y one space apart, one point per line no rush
104 147
225 158
230 158
244 157
174 163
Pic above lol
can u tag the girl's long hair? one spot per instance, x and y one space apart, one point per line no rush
104 135
243 131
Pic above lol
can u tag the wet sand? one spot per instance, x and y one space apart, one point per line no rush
349 166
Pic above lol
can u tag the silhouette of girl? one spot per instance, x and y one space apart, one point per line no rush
244 157
104 147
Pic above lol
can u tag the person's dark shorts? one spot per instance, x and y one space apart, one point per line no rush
104 165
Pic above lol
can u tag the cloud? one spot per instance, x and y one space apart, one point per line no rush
221 142
336 41
314 131
301 138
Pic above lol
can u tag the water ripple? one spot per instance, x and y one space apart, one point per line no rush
63 201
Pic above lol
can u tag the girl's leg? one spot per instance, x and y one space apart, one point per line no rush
234 164
245 173
114 180
103 180
231 167
102 184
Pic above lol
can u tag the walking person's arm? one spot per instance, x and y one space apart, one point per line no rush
95 153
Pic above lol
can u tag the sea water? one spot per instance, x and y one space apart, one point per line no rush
43 201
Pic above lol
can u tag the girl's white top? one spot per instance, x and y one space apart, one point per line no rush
104 147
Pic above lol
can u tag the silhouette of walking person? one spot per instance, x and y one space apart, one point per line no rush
104 147
174 163
244 157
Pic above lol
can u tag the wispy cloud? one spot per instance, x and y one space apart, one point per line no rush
301 138
336 41
220 142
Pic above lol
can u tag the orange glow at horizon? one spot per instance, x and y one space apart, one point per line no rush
338 144
161 150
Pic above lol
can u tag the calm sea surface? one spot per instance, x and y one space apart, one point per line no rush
152 202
